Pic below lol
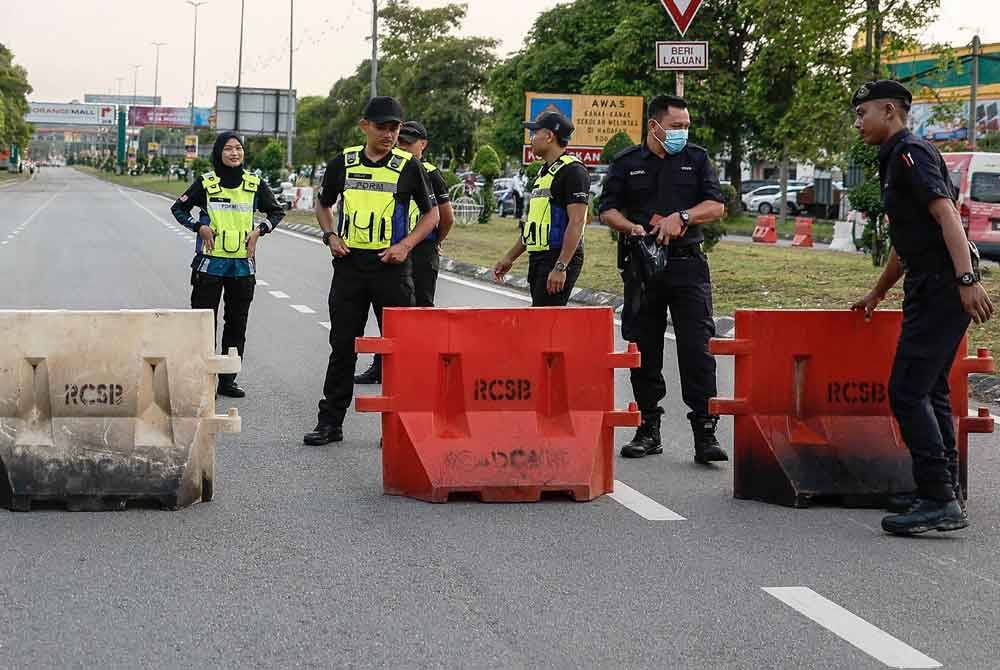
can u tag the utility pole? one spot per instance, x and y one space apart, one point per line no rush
156 83
135 82
239 68
290 111
194 54
374 90
976 49
119 80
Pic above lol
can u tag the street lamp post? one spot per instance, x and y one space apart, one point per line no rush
374 86
156 83
239 69
194 54
289 110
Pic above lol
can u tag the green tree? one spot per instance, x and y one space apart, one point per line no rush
616 145
310 121
14 91
269 160
487 163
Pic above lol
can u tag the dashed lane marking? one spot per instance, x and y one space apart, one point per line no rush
851 628
303 309
644 506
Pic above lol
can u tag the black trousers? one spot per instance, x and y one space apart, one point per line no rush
518 205
685 288
426 263
934 323
360 282
540 264
207 292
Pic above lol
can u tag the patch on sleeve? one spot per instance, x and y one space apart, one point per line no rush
907 158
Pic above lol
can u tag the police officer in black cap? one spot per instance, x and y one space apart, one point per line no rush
942 293
425 257
665 190
371 244
557 212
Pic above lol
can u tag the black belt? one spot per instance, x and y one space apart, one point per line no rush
687 251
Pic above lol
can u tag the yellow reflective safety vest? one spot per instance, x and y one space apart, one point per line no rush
415 211
370 215
230 211
547 221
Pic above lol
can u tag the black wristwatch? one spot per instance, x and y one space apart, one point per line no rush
967 279
560 266
685 217
326 237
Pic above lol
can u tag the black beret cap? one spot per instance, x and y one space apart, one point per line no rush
554 121
412 131
882 89
382 109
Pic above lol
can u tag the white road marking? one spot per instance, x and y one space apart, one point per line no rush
262 283
39 210
303 309
645 507
4 242
848 626
278 294
326 324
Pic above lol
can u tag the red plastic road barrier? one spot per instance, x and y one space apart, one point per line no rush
803 232
811 407
506 404
764 231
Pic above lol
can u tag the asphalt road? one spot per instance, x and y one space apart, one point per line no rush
300 561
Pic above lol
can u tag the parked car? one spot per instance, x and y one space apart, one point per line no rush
748 185
503 195
977 178
767 199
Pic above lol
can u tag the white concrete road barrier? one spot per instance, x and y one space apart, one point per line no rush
99 409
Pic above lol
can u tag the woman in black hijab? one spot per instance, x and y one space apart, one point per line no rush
225 249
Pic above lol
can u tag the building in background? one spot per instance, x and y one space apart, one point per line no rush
941 83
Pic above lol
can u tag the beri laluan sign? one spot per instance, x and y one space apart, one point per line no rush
682 55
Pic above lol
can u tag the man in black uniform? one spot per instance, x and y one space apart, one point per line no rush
557 212
371 245
667 188
941 294
425 257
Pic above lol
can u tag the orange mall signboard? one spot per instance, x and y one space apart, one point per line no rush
597 119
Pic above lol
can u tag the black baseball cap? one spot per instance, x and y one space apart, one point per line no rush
382 109
883 89
411 131
554 121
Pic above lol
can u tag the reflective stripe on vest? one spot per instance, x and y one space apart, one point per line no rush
230 211
415 211
370 215
547 221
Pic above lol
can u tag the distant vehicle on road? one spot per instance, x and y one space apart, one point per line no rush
767 199
977 178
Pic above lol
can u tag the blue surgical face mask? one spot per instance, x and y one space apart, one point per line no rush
675 141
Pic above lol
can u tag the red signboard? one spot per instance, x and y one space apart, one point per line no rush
589 155
682 12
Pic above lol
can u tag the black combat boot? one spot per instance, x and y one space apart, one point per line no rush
646 440
373 375
229 388
323 433
706 446
927 515
901 502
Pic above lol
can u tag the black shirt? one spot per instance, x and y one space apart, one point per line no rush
912 173
641 184
412 183
439 189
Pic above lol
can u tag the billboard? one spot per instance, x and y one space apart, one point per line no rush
125 100
262 111
70 114
190 148
168 117
597 119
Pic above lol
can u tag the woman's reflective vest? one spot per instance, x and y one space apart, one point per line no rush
415 211
370 215
547 221
230 211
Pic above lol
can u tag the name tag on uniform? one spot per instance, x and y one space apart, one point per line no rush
636 172
688 168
